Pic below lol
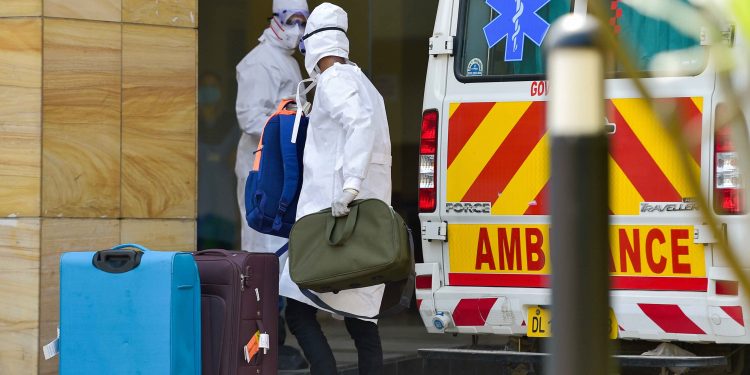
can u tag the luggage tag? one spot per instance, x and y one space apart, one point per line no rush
53 348
265 342
252 347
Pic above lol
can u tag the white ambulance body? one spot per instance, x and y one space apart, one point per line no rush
484 179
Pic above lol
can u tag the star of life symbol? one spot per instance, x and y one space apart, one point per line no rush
516 20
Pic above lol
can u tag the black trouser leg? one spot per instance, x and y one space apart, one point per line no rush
367 341
304 326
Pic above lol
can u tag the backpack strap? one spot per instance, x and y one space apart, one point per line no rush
291 170
280 110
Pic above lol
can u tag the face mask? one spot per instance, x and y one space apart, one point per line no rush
291 35
208 95
311 64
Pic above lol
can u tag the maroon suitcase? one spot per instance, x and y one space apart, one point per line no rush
239 296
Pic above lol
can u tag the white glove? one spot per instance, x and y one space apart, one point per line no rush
340 205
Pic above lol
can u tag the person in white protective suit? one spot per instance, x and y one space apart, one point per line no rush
347 156
265 76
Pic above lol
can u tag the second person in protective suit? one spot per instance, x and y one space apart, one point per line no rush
268 74
347 156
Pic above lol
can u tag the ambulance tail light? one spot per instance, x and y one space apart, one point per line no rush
727 288
728 180
427 162
424 282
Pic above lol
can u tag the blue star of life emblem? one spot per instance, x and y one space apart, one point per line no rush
516 21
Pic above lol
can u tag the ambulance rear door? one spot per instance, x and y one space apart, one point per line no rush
494 186
495 181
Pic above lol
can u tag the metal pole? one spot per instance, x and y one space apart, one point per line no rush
579 198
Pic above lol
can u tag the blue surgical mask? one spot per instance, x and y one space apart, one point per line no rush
208 95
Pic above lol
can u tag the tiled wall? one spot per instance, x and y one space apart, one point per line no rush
97 147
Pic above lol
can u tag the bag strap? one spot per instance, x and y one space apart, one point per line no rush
281 109
351 221
282 250
290 163
220 252
130 245
404 300
301 108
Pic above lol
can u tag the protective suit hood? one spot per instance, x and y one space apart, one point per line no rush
281 5
329 42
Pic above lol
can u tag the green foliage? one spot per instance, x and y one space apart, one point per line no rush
741 10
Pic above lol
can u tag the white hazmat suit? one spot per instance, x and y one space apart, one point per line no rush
348 145
265 76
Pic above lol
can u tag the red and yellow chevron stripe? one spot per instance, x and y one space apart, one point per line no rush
499 153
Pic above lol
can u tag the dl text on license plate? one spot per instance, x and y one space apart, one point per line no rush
539 323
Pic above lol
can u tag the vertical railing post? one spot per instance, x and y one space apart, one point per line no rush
579 242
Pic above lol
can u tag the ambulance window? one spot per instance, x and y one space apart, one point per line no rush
660 35
501 39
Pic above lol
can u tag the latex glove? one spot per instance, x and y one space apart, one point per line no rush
340 205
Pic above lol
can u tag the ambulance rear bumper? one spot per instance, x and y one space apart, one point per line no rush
641 315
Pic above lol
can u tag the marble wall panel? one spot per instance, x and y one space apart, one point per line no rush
172 235
20 116
102 10
159 122
19 295
81 106
18 8
183 13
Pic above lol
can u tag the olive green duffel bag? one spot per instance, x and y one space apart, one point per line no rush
372 245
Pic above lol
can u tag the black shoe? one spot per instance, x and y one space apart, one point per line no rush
290 358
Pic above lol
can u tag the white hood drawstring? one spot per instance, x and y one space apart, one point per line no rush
302 108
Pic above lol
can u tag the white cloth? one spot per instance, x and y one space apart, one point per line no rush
328 42
348 146
281 5
265 76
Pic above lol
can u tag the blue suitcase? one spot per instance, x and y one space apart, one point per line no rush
129 311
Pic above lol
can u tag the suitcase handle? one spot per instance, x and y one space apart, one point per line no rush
129 245
117 260
214 251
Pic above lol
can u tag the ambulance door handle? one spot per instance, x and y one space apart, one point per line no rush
609 126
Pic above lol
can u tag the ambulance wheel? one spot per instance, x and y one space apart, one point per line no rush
738 362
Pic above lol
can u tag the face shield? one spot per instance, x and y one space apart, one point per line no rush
291 17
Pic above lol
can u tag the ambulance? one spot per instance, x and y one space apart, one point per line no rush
484 177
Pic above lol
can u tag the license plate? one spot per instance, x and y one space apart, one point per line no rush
539 323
